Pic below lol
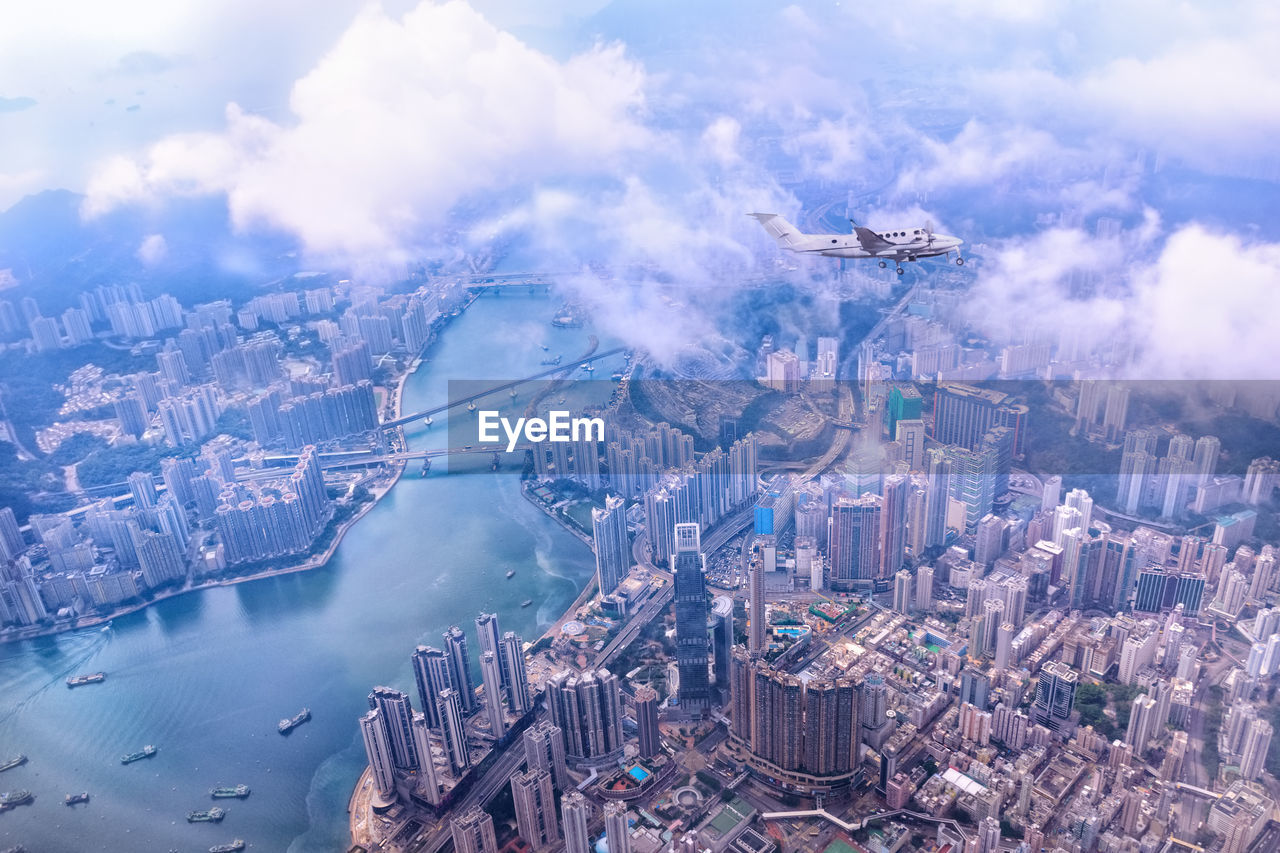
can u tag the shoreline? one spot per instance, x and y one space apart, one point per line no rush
314 561
588 589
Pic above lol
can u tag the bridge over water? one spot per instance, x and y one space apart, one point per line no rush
462 401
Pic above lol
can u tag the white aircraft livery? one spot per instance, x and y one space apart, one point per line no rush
903 244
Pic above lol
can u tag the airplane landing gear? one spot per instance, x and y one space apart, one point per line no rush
959 262
901 270
883 265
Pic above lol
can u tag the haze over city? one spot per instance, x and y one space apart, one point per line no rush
925 496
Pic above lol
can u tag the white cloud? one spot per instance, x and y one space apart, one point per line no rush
720 140
1192 304
401 120
1205 309
152 249
830 148
979 154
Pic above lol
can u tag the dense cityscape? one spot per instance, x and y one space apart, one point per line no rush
461 426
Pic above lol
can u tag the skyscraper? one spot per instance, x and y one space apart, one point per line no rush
1055 696
588 709
613 551
893 526
853 542
617 834
873 706
910 434
938 469
924 589
989 540
1254 754
904 403
646 704
693 645
517 674
755 617
830 727
491 641
431 671
455 647
493 694
377 751
721 642
902 592
962 414
428 785
535 807
397 721
11 542
989 835
473 832
575 813
544 748
449 710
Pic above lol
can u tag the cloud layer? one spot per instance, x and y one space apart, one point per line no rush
397 124
622 145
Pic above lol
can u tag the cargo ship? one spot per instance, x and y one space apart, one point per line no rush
228 791
227 848
293 722
16 761
212 815
81 680
147 752
9 799
72 799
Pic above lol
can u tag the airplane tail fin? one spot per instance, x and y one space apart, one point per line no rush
787 235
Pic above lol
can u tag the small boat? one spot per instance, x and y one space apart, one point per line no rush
72 799
228 791
212 815
147 752
526 602
428 422
16 761
471 407
544 347
288 725
90 678
511 574
513 393
227 848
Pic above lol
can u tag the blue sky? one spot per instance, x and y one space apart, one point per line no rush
642 131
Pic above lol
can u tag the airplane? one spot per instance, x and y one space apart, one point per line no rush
903 244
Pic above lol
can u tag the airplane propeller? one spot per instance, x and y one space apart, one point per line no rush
928 230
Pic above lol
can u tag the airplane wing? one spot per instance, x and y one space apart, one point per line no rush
871 241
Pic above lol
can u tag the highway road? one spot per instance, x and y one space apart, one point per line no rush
481 792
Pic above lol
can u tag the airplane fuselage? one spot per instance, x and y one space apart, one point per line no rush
901 245
905 244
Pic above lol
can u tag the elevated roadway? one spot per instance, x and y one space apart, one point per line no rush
462 401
